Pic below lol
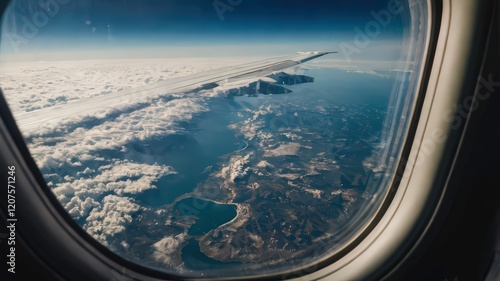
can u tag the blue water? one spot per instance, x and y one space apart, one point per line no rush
331 86
340 87
191 153
210 215
194 259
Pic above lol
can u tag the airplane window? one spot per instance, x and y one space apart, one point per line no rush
221 138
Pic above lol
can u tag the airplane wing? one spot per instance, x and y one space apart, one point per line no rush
102 106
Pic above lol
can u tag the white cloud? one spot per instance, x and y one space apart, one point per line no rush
78 208
236 168
30 85
114 214
79 195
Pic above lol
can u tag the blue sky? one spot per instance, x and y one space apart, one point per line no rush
188 28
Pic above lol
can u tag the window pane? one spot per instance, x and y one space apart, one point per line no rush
216 138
